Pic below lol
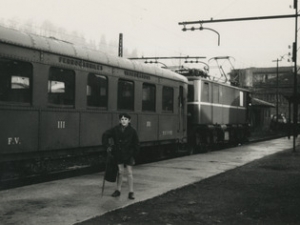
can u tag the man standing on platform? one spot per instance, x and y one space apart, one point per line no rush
125 150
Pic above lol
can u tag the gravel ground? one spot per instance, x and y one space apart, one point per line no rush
263 192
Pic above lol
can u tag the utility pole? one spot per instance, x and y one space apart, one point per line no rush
120 45
277 60
295 132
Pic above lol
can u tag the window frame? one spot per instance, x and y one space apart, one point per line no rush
102 103
61 95
120 102
165 105
152 96
20 95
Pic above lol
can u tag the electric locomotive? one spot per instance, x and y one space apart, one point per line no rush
218 113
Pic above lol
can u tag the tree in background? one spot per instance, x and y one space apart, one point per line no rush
48 29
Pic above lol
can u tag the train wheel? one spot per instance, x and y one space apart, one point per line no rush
162 152
179 149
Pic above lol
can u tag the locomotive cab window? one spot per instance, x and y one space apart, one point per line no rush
205 93
125 95
149 92
15 81
61 87
167 99
96 91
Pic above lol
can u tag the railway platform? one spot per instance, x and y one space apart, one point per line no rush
77 199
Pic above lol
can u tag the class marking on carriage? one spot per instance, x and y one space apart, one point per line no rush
13 141
148 124
61 124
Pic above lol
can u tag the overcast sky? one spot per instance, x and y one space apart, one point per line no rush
151 26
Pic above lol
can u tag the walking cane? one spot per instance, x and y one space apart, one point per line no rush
103 184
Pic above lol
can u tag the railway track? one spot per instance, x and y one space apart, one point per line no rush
17 174
77 168
38 178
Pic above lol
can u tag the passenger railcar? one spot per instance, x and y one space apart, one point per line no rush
56 98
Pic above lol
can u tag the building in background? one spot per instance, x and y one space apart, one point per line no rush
268 85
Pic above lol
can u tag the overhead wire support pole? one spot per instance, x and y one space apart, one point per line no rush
277 72
120 45
202 28
239 19
201 22
295 132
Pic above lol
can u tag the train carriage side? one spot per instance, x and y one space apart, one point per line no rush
217 113
57 99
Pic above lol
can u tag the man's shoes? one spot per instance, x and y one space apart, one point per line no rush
131 195
116 193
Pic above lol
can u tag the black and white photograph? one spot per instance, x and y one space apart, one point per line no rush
140 112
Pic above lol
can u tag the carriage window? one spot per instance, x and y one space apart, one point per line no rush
149 92
168 96
15 81
125 95
97 90
61 87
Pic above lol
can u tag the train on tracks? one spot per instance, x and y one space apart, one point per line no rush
57 98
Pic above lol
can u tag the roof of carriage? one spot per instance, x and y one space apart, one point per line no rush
53 45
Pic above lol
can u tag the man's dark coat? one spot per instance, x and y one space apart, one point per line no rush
126 143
